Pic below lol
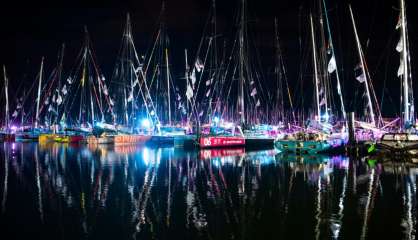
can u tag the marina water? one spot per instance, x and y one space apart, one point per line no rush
60 191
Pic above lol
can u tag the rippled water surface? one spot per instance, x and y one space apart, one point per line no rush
80 192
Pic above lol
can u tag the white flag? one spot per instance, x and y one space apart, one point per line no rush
193 77
69 80
361 78
258 103
111 102
50 108
401 69
14 114
199 65
189 92
323 101
131 96
208 82
59 100
399 46
332 66
105 91
64 90
399 24
253 92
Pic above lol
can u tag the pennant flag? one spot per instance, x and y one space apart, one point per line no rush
252 83
361 78
46 102
19 106
399 46
15 113
208 93
59 100
105 91
131 97
253 92
201 114
193 77
258 103
323 101
199 65
50 108
111 102
401 69
64 90
208 82
399 24
69 80
332 66
103 78
189 92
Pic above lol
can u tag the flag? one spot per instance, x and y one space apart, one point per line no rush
193 77
50 108
399 24
252 82
15 113
361 78
59 99
208 82
111 102
46 101
54 98
258 103
401 69
208 93
332 66
69 80
399 46
253 92
323 101
64 90
199 65
105 91
131 97
201 114
189 92
103 78
19 106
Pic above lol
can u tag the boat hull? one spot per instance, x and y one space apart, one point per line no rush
308 147
69 139
131 139
220 142
7 137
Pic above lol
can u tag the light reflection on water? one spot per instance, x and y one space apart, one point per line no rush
127 192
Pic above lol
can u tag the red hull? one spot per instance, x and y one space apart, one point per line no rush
220 153
219 142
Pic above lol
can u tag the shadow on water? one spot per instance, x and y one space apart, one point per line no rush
95 192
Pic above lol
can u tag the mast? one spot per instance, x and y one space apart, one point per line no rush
186 76
38 99
363 68
316 71
241 64
408 104
279 97
168 87
6 92
336 68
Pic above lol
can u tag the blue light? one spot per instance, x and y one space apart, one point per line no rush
146 123
216 120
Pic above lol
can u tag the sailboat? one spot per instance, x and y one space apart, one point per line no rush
238 125
84 103
322 131
405 140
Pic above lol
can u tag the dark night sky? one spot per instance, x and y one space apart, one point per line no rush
29 32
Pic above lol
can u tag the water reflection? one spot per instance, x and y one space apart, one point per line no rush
71 192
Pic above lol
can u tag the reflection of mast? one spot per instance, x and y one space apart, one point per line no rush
319 210
368 203
6 177
38 184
